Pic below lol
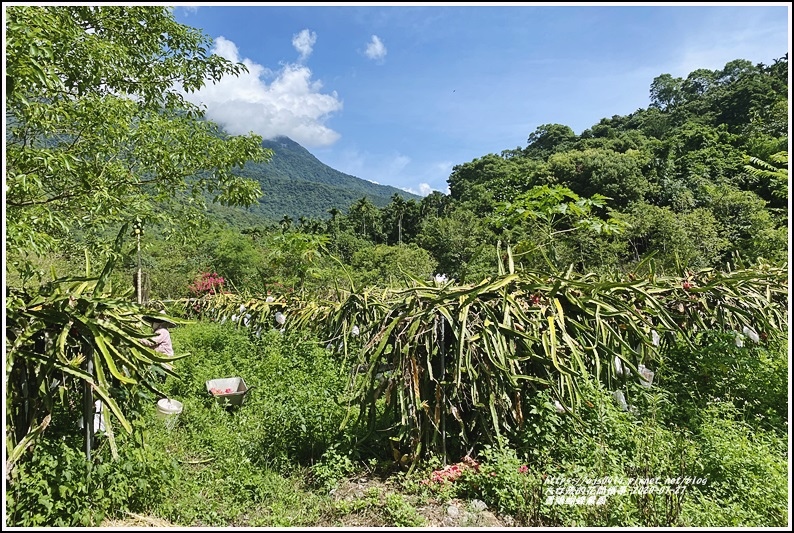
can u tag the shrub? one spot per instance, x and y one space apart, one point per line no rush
746 472
57 488
753 377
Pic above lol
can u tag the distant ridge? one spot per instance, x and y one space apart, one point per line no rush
295 183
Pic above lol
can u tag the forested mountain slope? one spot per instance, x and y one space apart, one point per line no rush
296 184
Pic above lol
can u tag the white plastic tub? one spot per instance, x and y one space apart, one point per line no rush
228 391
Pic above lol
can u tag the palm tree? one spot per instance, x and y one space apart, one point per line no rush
365 213
254 232
398 203
286 222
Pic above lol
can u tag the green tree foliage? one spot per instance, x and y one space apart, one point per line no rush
694 139
702 153
99 131
772 175
237 260
767 132
490 179
345 243
679 240
291 257
614 135
618 176
748 89
386 266
651 122
299 184
435 204
666 92
548 139
461 244
545 222
400 220
395 212
747 223
729 96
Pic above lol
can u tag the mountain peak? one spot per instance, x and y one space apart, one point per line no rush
297 184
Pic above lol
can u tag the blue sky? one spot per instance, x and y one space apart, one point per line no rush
399 93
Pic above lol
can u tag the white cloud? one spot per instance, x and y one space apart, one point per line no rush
304 43
292 104
376 49
423 190
433 173
226 49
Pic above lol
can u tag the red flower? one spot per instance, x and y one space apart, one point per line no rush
452 472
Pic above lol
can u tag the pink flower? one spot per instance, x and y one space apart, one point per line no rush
207 283
523 469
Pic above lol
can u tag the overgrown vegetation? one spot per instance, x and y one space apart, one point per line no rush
273 461
605 305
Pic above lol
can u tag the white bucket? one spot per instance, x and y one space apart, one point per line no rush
169 410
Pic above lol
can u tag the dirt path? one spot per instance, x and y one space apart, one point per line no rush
371 502
367 501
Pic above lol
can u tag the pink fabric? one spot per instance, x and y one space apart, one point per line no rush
161 341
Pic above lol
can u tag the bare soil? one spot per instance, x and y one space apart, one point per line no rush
452 513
